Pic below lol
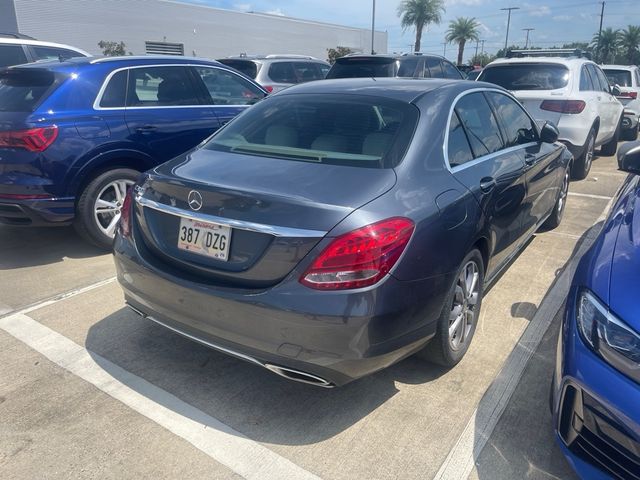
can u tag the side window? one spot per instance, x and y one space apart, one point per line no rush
226 88
115 94
433 66
408 67
306 72
12 55
160 87
450 71
282 72
52 53
324 69
458 148
597 83
637 77
604 82
480 123
517 126
585 80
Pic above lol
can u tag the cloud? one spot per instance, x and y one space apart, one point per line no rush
277 11
465 2
245 7
562 18
541 11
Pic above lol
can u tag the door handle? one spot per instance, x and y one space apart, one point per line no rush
146 129
487 184
530 159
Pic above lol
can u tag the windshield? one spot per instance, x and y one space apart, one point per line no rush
363 68
247 67
619 77
527 76
351 130
22 90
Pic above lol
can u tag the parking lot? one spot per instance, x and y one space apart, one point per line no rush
88 389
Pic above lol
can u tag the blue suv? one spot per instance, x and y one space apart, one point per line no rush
75 134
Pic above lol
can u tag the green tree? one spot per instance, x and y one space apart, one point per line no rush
630 43
334 53
503 53
112 49
606 45
482 59
460 31
418 14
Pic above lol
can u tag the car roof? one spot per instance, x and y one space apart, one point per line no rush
38 43
567 61
403 89
395 56
116 62
619 67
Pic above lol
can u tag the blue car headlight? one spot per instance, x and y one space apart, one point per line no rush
608 336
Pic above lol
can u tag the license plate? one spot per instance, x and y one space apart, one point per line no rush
204 238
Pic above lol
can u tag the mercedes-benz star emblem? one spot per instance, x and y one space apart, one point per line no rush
195 200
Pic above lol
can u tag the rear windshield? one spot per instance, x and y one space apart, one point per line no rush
619 77
350 130
363 68
249 68
527 76
22 90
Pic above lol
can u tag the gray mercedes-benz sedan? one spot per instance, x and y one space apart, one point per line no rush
340 226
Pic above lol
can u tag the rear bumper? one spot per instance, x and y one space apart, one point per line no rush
335 336
37 213
596 414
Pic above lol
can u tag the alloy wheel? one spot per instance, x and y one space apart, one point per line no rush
588 159
463 312
563 193
108 205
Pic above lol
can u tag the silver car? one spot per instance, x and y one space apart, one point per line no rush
275 72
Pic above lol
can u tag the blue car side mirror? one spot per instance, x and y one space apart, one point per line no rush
629 157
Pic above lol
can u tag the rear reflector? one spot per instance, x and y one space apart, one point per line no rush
268 88
20 196
33 140
360 258
125 214
563 106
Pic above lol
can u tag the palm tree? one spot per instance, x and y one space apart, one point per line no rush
630 42
419 14
606 44
460 31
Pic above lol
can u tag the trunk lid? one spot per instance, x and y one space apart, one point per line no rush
278 210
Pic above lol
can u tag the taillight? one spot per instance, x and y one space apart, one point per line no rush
125 214
630 95
360 258
268 88
563 106
33 140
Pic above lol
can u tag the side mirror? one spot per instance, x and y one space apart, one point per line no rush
615 90
549 133
629 157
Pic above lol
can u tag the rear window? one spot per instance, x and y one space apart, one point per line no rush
345 130
247 67
22 90
527 76
12 55
363 68
619 77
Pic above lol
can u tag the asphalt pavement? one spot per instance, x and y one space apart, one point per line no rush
90 390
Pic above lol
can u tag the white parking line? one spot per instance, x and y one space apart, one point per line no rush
462 457
245 457
589 195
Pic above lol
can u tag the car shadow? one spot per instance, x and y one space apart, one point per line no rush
522 445
246 397
28 247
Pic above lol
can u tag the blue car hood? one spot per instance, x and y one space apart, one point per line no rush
624 284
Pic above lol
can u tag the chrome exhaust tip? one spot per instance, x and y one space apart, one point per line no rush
298 376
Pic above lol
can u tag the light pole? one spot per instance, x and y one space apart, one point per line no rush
373 27
506 38
526 43
444 50
482 52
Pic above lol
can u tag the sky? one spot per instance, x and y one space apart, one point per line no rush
555 21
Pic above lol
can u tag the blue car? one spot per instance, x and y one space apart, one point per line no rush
596 388
75 134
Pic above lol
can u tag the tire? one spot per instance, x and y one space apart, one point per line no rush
611 147
631 135
97 224
445 349
582 165
558 208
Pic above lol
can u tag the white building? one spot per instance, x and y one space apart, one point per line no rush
153 26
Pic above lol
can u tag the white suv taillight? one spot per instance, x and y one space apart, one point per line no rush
361 257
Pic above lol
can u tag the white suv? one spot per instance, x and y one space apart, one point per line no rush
571 92
627 79
16 49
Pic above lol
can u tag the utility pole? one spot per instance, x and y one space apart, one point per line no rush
444 50
526 43
482 53
506 38
600 32
373 27
477 43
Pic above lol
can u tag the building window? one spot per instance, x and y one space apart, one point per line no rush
164 48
